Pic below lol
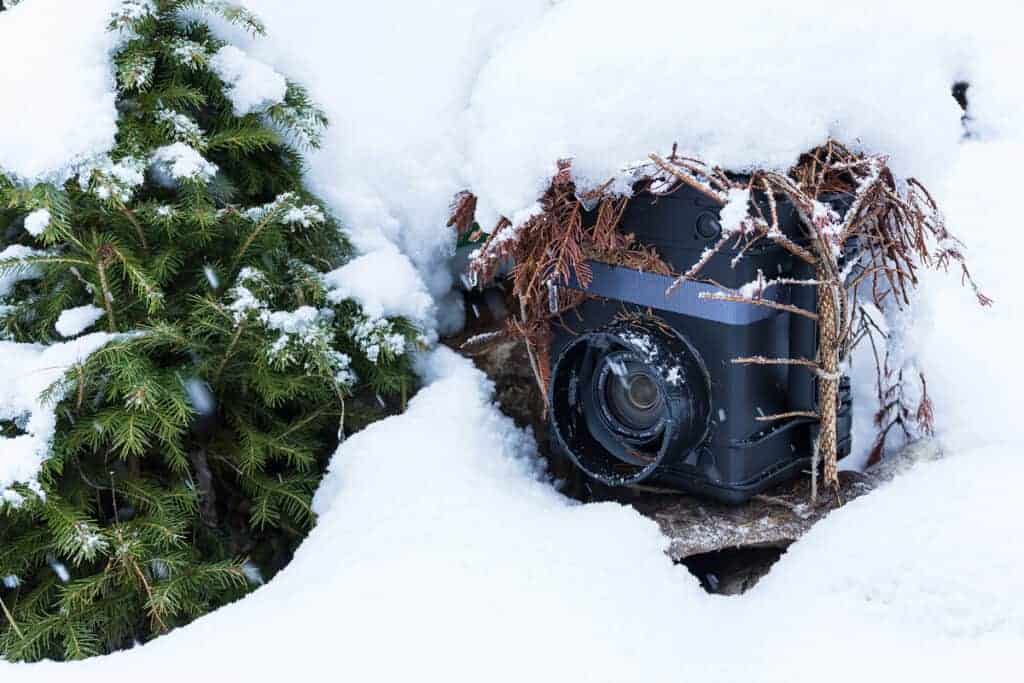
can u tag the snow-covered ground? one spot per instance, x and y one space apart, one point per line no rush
440 552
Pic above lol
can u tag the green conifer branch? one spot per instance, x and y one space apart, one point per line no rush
201 431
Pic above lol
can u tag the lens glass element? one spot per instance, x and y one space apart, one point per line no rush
632 396
643 392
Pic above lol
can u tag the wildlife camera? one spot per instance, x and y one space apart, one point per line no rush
644 389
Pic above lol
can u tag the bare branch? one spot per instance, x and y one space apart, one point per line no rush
792 247
735 298
694 271
762 360
788 416
687 179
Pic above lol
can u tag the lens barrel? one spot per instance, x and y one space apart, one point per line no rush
626 397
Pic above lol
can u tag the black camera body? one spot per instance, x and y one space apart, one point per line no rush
643 386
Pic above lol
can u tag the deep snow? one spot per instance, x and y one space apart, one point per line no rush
440 556
440 552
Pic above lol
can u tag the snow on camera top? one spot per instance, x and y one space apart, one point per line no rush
57 80
737 85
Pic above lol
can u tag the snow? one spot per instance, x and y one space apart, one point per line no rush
200 396
386 284
132 10
735 211
109 179
74 321
37 221
183 127
481 569
290 212
251 84
211 276
441 551
10 278
61 570
304 216
179 161
190 53
25 373
305 328
969 353
395 78
736 87
298 322
375 336
42 91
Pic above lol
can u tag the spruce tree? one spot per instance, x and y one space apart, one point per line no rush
188 449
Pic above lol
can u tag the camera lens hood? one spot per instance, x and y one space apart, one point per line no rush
581 424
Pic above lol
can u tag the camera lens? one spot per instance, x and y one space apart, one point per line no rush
634 399
626 397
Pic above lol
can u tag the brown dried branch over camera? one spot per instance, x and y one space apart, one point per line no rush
694 174
890 225
556 246
788 416
878 243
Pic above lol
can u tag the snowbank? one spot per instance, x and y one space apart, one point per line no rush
440 555
57 107
971 354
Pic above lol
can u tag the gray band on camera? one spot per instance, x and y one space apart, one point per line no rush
649 289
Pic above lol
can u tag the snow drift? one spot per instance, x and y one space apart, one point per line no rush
439 555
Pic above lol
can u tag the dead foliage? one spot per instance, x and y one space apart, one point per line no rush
556 245
872 251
